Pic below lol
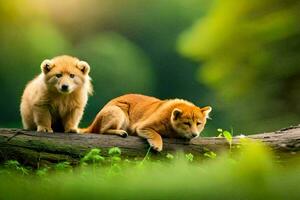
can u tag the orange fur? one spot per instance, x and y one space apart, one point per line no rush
55 100
150 118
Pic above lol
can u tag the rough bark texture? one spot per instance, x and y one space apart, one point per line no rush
35 148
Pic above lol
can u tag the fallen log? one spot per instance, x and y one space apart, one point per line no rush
34 148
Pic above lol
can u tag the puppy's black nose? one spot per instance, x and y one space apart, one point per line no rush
194 134
64 87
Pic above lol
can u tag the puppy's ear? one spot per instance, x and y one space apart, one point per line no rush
176 113
206 110
84 67
46 66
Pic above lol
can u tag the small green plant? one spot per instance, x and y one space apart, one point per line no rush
147 156
189 157
227 135
42 172
63 166
115 154
114 151
14 165
92 157
115 158
210 154
169 156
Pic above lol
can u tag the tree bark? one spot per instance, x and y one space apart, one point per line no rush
33 148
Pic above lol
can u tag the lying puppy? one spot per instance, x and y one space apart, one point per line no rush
150 118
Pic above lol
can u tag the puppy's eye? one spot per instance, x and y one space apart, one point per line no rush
187 123
198 123
58 75
72 75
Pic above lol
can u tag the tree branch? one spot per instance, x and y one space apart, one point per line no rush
35 148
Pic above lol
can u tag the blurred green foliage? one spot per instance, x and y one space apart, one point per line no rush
250 173
22 50
250 57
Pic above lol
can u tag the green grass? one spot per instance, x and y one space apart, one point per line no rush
250 173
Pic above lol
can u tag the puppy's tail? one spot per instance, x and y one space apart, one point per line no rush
94 127
85 130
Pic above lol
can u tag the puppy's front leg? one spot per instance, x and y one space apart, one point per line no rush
42 118
72 119
153 138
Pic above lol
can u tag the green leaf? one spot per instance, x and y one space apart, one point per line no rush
114 151
189 157
42 172
63 165
92 157
12 164
94 152
170 156
210 154
116 159
97 158
227 136
23 170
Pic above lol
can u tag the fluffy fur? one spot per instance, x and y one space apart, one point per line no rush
150 118
55 100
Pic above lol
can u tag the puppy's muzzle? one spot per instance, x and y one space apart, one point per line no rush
64 88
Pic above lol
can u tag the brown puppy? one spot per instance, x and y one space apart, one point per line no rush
150 118
55 100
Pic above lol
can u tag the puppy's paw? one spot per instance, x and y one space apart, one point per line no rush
44 129
72 130
123 134
155 144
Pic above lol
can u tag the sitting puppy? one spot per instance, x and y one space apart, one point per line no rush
150 118
55 100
